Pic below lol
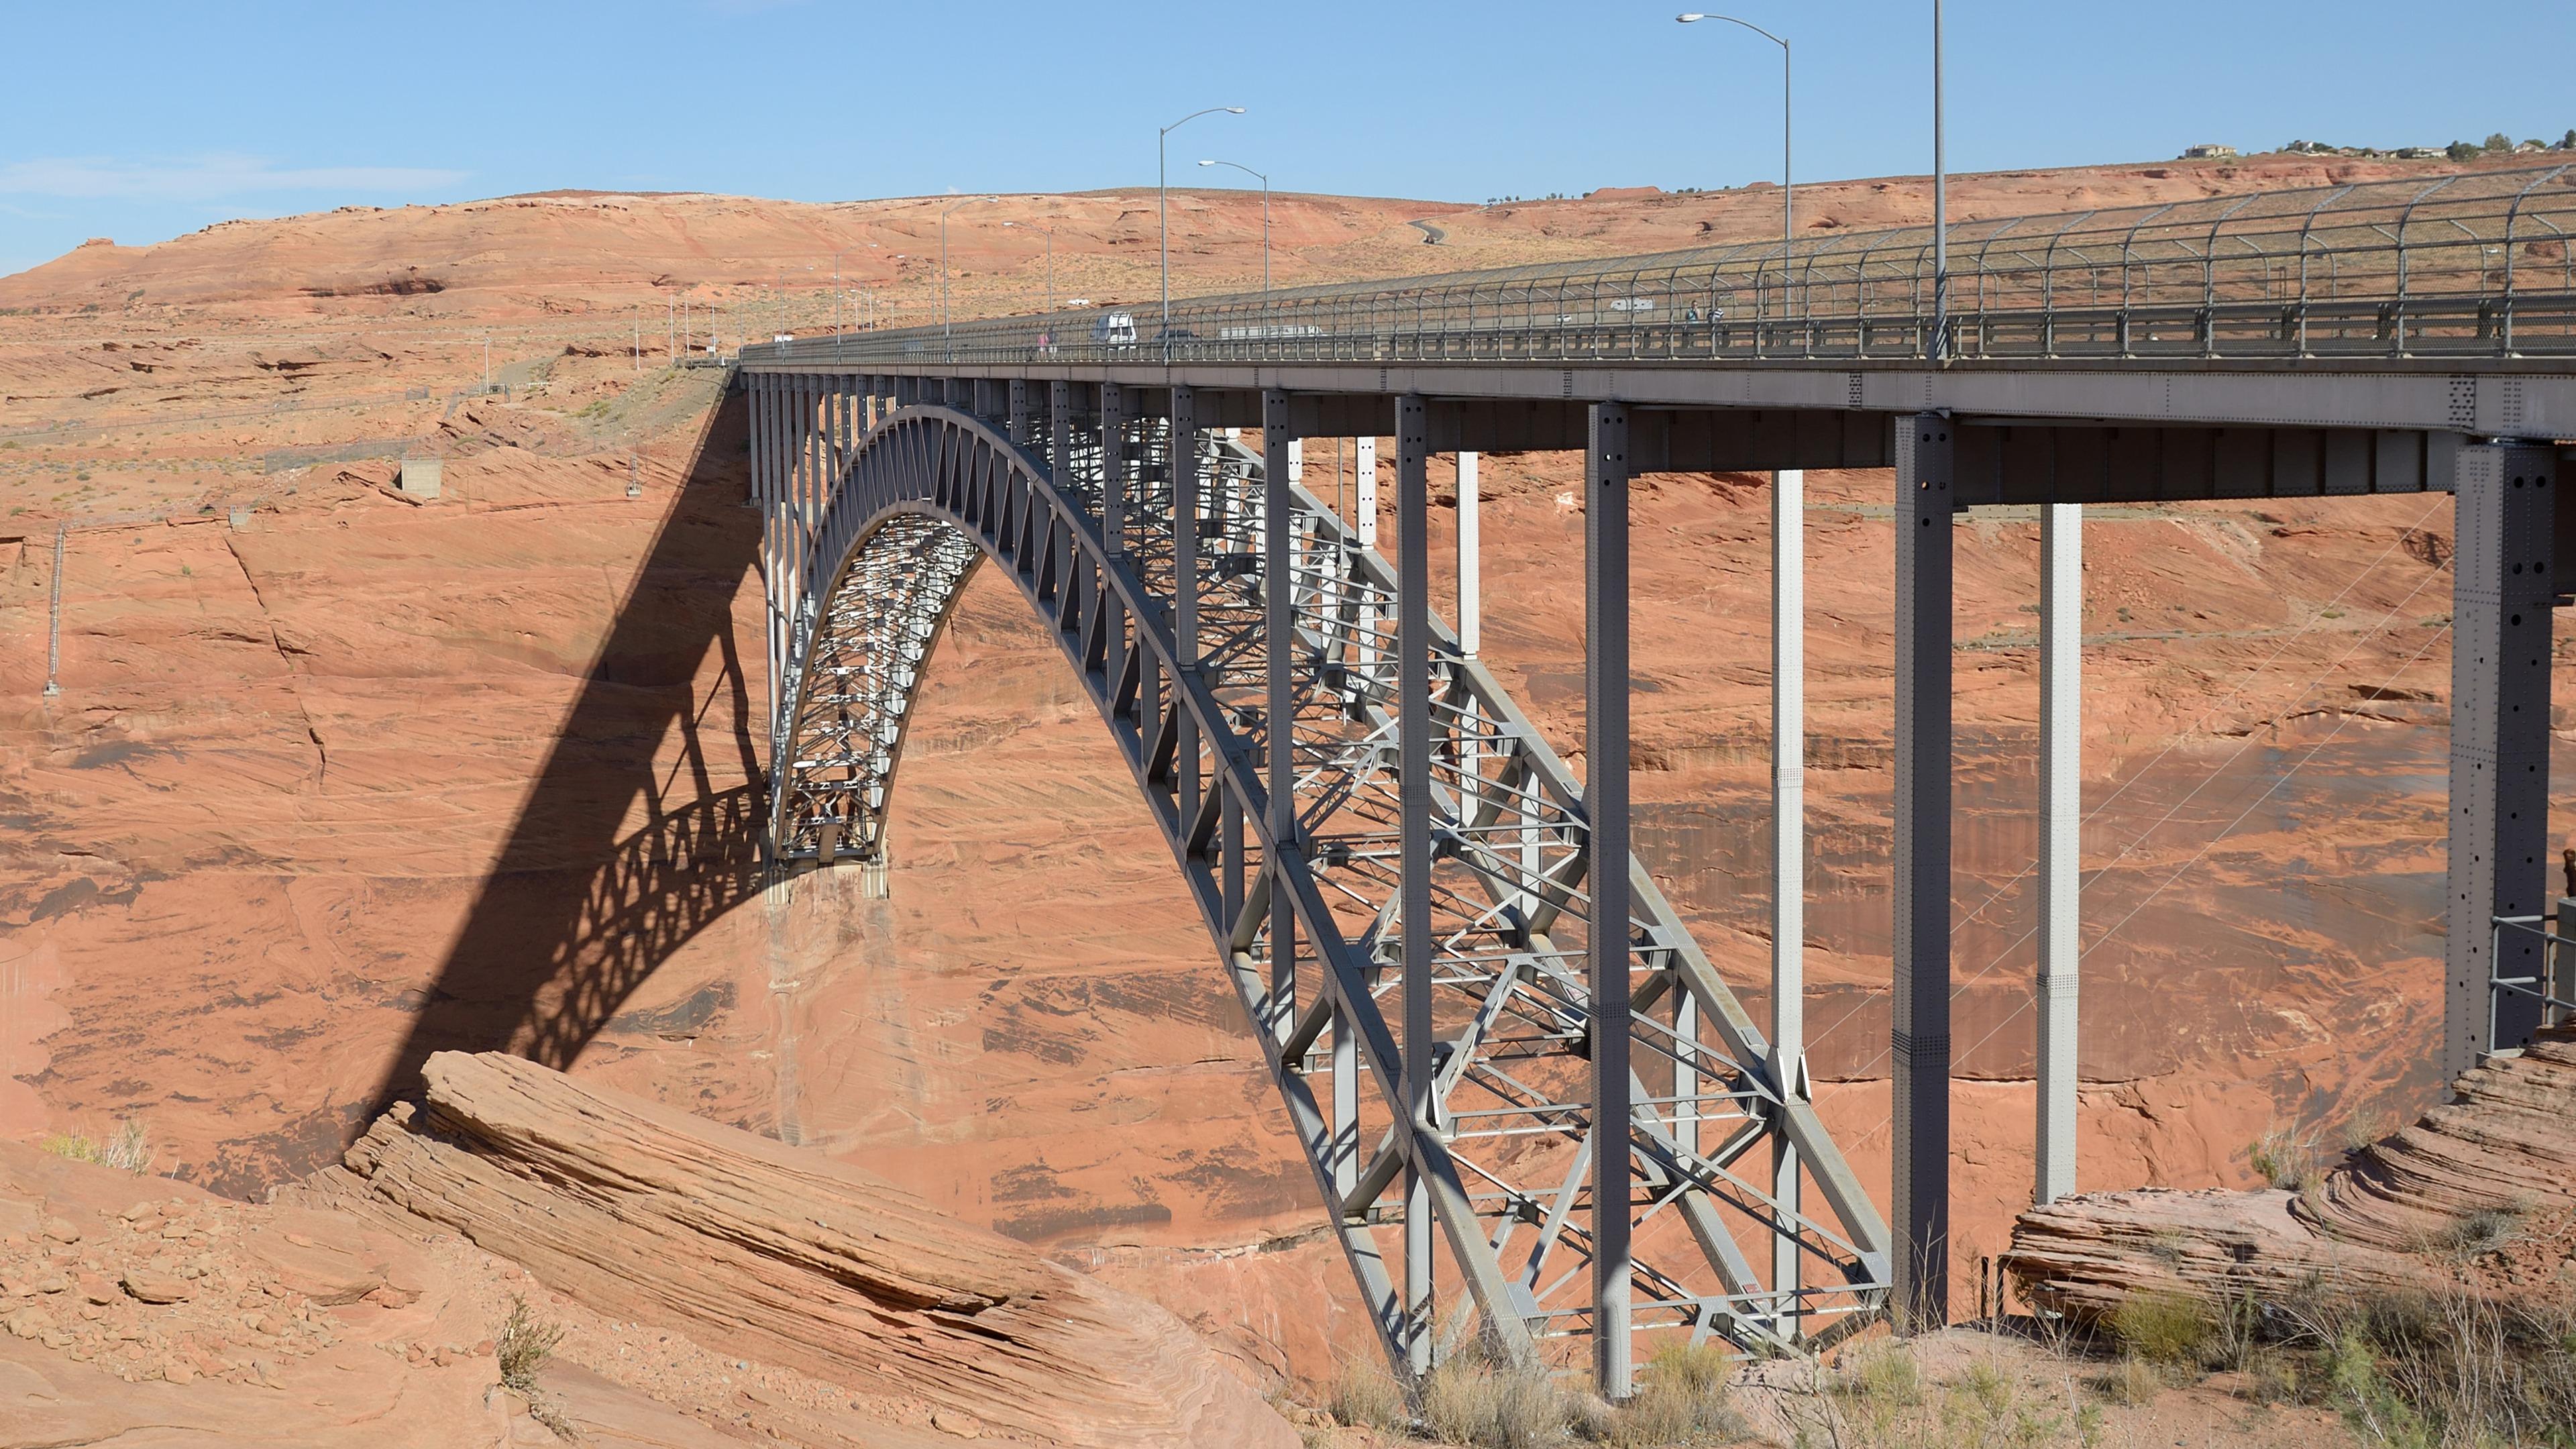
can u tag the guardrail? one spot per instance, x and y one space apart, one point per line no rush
2555 986
2472 264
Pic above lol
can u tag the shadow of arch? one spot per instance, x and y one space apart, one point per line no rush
582 902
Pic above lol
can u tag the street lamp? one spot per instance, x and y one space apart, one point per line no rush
1940 208
1788 232
1162 211
1265 216
943 269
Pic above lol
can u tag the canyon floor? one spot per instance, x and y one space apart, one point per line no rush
335 778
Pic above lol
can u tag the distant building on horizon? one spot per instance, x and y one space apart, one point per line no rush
2208 151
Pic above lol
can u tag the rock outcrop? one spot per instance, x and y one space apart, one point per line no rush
786 1256
2480 1193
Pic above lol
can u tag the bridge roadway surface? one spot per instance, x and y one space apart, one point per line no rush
2395 338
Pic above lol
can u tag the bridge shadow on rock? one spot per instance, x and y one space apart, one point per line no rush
642 826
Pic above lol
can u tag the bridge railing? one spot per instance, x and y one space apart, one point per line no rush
2471 264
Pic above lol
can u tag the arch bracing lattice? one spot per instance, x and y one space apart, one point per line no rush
1248 657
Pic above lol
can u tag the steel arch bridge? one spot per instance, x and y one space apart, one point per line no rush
1418 979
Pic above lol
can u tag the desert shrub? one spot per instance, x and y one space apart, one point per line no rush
2168 1330
128 1148
1680 1400
1366 1396
2482 1231
1469 1401
2284 1158
1880 1400
2442 1370
524 1343
2133 1382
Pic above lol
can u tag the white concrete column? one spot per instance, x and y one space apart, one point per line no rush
1471 629
1296 462
1788 862
1368 493
2061 835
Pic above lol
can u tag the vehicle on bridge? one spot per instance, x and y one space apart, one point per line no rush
1114 329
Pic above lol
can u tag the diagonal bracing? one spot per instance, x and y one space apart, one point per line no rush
1444 1106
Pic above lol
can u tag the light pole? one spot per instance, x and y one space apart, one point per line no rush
1265 216
944 343
1788 232
1940 208
1162 209
1788 780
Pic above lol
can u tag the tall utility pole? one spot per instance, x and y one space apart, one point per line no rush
1940 340
1162 207
1264 179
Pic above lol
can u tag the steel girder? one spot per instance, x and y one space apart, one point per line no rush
1303 903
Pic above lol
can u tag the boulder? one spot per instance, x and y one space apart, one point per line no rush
786 1256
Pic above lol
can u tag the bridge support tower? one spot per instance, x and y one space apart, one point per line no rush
2504 589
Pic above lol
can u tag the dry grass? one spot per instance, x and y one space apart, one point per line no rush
2285 1157
2171 1331
1366 1396
2443 1371
128 1148
1681 1400
1880 1399
1468 1401
523 1343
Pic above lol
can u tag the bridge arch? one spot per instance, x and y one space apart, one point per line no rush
1146 561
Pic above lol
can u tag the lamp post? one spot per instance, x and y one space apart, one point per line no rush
1940 208
1788 232
1264 179
1162 207
1788 787
944 343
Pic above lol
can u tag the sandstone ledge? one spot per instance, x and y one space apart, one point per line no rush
2479 1194
785 1256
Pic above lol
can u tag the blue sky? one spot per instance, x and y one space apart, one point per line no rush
141 121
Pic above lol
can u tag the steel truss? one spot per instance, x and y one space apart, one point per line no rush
1413 959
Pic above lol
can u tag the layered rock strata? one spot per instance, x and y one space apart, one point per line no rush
2480 1193
789 1257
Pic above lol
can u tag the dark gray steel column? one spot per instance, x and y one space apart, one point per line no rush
1060 431
1113 468
1921 1167
1605 805
1185 584
2502 589
1019 412
1413 789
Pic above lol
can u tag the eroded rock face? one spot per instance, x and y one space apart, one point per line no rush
2480 1193
641 1211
